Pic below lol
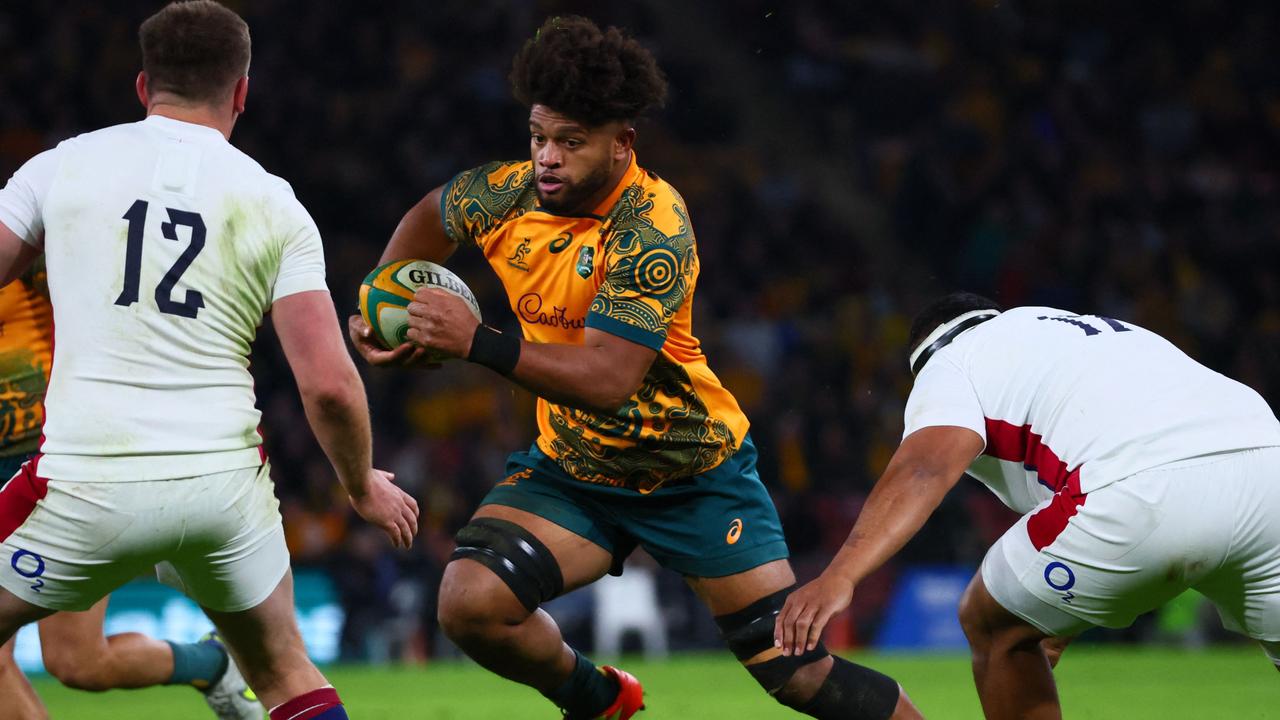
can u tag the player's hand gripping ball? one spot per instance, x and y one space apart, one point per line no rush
386 293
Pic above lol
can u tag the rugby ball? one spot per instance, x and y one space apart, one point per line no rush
386 293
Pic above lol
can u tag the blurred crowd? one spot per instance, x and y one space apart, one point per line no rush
842 163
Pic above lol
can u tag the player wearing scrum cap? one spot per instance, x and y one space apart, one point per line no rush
165 248
1140 473
640 444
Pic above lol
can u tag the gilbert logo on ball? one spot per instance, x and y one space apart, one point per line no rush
386 293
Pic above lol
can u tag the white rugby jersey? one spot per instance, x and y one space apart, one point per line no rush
165 246
1079 402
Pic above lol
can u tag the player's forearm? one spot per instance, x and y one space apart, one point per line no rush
340 420
575 375
420 234
896 509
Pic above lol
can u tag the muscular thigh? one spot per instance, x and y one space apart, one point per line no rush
233 554
74 633
724 595
509 561
581 561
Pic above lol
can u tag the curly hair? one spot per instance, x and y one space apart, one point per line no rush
592 76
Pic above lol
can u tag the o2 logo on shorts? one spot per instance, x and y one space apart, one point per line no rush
30 566
1061 578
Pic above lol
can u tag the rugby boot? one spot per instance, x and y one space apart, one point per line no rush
630 696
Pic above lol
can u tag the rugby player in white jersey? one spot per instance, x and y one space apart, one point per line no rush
1140 473
165 248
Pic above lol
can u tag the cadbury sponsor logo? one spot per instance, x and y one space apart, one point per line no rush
530 308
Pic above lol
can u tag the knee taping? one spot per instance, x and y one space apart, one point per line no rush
853 692
517 557
749 635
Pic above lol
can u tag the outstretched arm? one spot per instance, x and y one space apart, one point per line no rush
334 400
927 464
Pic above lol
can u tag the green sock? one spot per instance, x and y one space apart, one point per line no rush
586 693
198 664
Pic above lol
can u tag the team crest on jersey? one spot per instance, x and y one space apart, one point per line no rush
517 258
586 261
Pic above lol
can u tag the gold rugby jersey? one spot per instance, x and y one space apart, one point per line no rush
627 268
26 350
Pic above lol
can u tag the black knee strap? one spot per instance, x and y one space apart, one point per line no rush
853 692
515 556
749 633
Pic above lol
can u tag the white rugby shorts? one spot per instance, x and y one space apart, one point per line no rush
1210 523
66 544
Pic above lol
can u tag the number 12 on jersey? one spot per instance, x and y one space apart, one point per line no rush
137 217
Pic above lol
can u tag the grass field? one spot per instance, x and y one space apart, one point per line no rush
1096 684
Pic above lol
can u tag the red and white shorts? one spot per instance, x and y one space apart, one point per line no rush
65 545
1210 523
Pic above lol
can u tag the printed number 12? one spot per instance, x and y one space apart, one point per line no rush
137 217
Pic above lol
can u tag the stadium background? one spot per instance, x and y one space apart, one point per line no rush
842 162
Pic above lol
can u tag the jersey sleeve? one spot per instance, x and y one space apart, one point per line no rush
475 200
943 395
22 199
302 257
650 270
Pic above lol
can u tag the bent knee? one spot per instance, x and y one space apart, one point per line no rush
804 683
833 687
475 603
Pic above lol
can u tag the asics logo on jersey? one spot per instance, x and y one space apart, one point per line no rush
561 242
735 532
1060 577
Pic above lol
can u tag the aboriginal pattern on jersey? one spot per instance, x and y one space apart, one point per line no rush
627 269
650 272
476 200
25 355
668 431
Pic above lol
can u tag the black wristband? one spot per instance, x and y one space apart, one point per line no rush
497 351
